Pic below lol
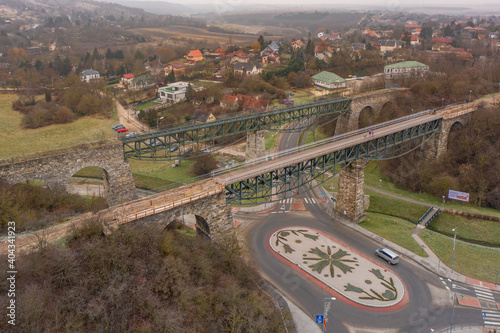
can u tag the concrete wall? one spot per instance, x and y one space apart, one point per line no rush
56 170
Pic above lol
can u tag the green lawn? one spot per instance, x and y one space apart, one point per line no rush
146 105
390 206
476 261
271 139
373 176
315 135
17 141
394 229
150 174
468 228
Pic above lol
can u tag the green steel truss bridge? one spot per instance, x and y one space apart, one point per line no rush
175 143
282 175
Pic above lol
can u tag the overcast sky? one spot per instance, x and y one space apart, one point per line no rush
390 3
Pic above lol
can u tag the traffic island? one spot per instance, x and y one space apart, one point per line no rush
338 267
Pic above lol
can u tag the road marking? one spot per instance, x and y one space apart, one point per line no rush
447 288
486 295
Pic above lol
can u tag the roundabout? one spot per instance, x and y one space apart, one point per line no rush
350 275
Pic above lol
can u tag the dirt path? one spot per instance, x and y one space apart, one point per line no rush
128 120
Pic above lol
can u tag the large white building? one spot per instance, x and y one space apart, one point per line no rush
89 74
173 92
406 69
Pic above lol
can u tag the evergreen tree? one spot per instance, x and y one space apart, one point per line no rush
261 41
189 93
310 47
95 54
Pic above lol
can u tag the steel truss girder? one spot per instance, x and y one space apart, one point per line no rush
288 181
157 145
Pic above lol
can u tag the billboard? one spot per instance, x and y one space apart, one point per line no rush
462 196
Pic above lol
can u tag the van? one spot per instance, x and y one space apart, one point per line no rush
389 256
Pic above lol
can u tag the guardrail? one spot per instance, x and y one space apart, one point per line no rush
315 144
117 219
429 215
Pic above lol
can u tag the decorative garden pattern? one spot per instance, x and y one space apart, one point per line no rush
342 269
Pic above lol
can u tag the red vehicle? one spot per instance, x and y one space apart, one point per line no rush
288 101
121 130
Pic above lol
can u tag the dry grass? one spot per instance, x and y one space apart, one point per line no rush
199 35
17 141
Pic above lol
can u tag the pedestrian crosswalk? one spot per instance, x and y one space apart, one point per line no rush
484 295
491 318
283 206
489 311
310 200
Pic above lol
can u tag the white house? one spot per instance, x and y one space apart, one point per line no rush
173 92
90 74
328 80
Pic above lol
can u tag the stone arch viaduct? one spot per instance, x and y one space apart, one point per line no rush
58 166
206 200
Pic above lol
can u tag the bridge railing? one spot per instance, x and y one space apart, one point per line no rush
318 143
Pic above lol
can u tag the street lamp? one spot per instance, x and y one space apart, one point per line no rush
454 241
326 307
411 111
380 185
157 120
442 206
470 95
442 101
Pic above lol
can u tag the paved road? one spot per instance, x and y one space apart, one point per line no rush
430 301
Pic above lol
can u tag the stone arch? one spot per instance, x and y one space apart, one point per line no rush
448 127
57 168
438 145
105 175
365 117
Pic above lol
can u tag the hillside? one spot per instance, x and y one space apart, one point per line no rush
140 280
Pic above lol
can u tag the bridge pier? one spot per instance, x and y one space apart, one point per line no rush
350 201
256 145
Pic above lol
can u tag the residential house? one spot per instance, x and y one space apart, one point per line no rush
201 117
127 78
89 74
173 92
298 44
390 45
271 48
238 56
406 69
358 46
229 102
323 52
328 80
220 52
414 40
141 82
177 67
194 56
273 58
255 105
333 36
250 68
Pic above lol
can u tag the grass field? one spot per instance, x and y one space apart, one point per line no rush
199 35
394 207
476 261
17 141
468 228
394 229
373 176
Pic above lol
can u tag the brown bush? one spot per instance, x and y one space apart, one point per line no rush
125 283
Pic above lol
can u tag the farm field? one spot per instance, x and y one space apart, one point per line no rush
198 34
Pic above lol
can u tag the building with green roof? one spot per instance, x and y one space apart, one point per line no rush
406 69
328 80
